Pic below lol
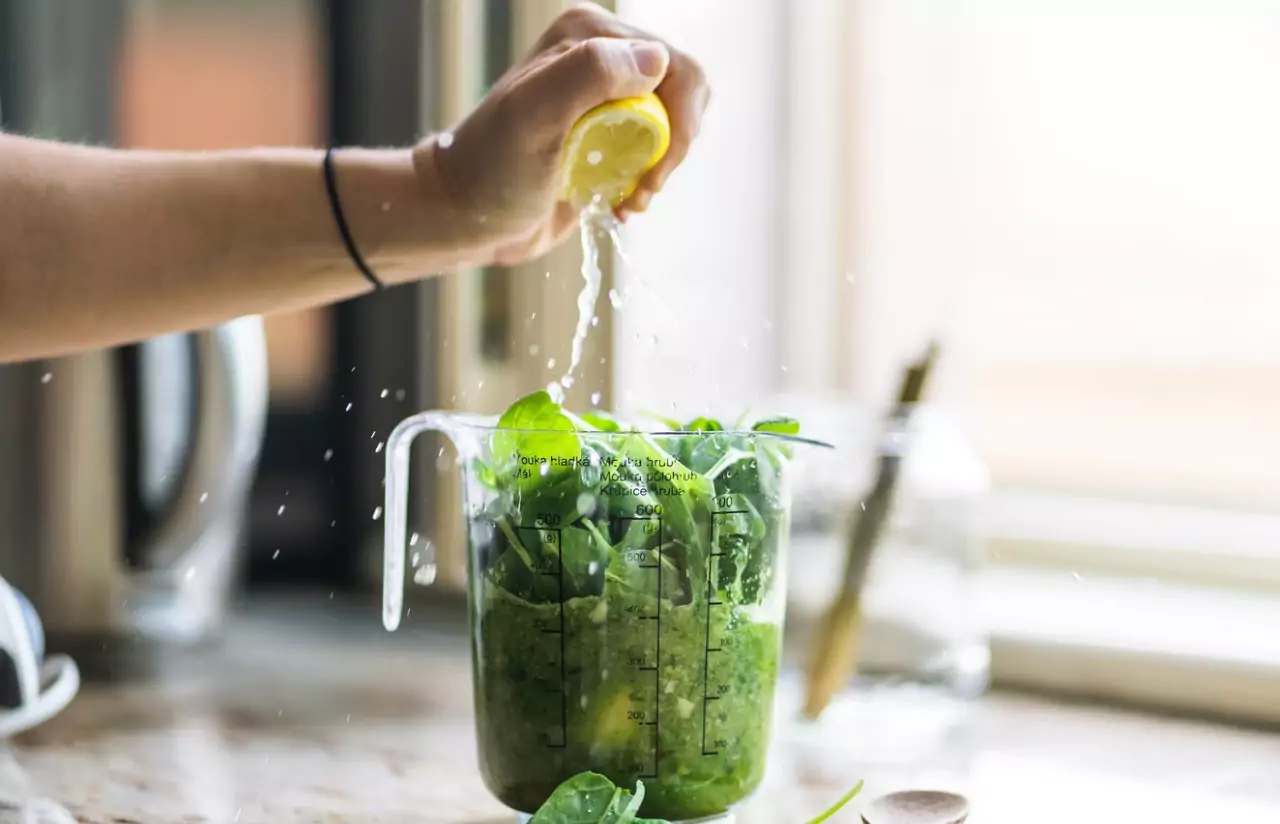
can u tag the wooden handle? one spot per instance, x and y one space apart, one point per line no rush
833 654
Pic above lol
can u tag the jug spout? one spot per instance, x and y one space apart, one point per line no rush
450 424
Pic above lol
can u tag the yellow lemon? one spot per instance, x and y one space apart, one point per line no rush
611 147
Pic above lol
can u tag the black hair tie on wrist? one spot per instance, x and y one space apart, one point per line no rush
335 205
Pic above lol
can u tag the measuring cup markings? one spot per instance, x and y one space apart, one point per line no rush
712 603
542 532
655 520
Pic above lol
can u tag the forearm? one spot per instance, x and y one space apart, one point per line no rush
101 247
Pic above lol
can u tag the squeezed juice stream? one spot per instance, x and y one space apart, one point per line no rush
592 221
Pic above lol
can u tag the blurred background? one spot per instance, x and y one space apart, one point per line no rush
1077 200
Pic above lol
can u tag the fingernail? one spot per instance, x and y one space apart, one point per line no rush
651 58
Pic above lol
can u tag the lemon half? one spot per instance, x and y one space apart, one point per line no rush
611 147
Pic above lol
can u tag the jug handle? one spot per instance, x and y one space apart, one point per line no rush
395 512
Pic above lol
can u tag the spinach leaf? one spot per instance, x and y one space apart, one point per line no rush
778 425
534 427
686 499
705 453
737 539
585 560
584 799
590 798
625 806
603 421
704 425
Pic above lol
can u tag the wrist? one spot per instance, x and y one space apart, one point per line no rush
403 222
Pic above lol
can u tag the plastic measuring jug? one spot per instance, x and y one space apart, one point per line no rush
626 594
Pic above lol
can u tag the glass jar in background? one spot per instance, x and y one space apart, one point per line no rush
922 626
923 650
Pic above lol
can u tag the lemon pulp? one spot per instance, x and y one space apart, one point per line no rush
611 147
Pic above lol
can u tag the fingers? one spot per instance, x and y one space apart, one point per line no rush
593 71
684 89
685 93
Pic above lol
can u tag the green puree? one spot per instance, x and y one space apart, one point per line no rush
627 617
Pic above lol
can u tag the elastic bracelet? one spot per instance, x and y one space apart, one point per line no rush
335 205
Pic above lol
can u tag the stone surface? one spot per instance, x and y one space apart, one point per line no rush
310 713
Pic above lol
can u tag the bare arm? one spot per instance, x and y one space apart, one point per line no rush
99 247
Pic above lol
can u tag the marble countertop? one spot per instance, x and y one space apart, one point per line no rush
310 714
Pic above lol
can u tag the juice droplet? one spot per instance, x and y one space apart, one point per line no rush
377 513
328 455
595 398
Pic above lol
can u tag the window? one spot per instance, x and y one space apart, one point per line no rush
1079 199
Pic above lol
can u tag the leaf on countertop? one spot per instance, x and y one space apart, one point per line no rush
590 798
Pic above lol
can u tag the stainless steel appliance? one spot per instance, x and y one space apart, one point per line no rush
123 481
124 474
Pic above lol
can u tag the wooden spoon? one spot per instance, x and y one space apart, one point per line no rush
917 807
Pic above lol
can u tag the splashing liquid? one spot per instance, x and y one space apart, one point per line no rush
593 221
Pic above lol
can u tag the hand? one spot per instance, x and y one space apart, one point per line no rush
498 168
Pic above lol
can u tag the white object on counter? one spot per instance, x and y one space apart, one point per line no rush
39 688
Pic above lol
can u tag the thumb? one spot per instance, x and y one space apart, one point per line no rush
595 71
